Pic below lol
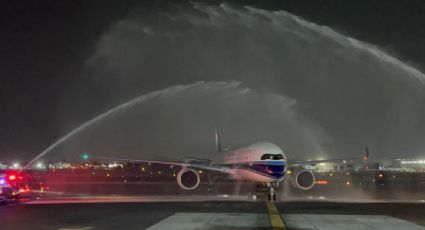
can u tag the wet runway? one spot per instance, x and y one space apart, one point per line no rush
207 212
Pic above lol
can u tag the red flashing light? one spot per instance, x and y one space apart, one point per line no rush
12 177
322 182
24 189
365 158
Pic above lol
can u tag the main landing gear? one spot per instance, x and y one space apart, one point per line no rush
212 178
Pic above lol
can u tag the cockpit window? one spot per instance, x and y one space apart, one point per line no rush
269 156
278 157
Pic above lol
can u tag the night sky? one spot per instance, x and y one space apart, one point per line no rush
55 75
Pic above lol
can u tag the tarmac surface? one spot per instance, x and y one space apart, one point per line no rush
208 212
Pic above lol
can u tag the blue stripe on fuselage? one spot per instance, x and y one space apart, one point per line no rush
259 162
265 174
273 169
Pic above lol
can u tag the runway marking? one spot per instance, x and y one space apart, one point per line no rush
348 222
196 221
136 198
275 218
76 228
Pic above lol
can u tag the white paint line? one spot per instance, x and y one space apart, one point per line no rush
76 228
348 222
192 221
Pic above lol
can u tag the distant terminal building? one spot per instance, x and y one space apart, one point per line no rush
408 164
389 164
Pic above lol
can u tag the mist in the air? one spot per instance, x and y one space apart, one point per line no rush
261 75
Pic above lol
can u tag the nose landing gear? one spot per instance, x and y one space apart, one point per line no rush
272 194
268 189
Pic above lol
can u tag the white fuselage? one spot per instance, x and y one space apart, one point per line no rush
261 162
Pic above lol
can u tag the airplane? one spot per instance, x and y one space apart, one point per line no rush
263 163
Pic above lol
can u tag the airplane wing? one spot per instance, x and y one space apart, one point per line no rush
206 167
341 160
304 163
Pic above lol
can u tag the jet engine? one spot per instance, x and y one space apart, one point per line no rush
188 179
304 179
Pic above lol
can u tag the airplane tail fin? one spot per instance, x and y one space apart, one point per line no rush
366 154
218 146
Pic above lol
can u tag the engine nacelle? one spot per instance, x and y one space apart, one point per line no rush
303 179
188 179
